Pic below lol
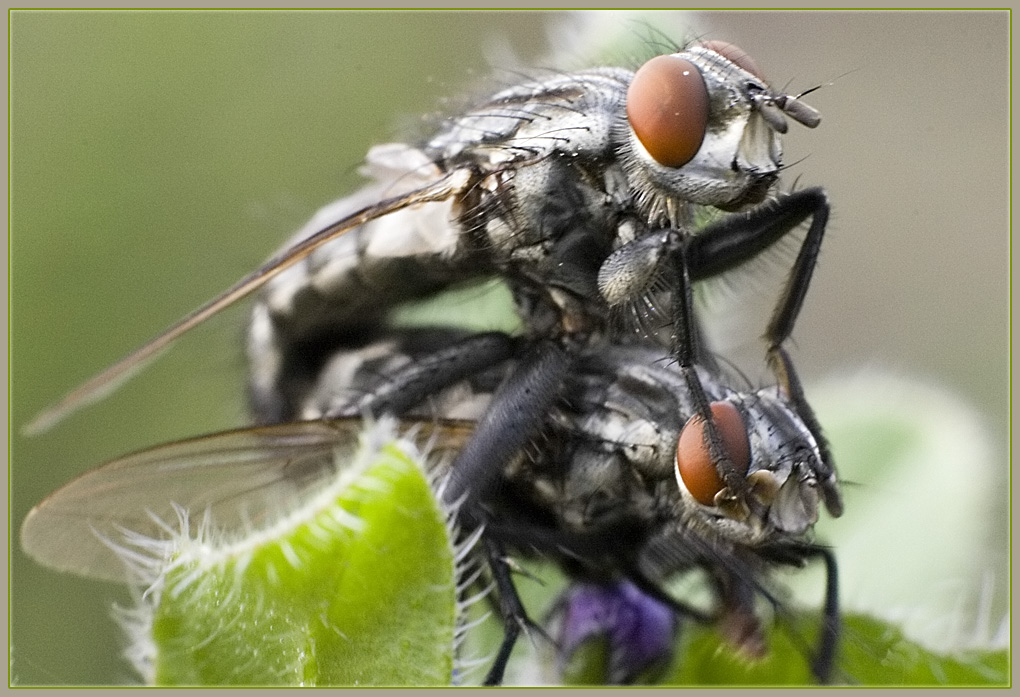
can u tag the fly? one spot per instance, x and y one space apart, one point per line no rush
579 190
621 491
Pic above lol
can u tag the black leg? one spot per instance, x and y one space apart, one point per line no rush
738 238
511 610
687 349
407 387
611 545
795 554
515 414
828 641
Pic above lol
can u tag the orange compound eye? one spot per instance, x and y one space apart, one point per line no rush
667 106
736 55
692 458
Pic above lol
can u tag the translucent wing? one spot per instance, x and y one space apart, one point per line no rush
105 382
239 480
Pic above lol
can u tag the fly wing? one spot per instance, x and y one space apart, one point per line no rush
110 379
238 481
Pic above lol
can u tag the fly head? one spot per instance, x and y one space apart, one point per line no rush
783 472
704 127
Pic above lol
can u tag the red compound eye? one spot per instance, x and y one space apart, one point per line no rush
692 458
736 55
667 106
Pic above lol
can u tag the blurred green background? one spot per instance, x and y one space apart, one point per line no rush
158 156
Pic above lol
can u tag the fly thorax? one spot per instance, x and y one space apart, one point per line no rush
547 200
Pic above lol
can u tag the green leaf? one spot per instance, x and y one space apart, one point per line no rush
877 653
872 652
362 592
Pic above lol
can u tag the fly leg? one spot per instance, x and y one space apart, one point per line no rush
406 387
795 554
625 600
828 641
686 347
738 238
511 610
514 416
632 271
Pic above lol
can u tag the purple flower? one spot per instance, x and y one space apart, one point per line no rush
637 631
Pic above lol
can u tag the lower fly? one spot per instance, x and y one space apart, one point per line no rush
616 484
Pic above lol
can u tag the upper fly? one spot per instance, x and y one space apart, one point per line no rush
539 185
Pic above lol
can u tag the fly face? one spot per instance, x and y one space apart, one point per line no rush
730 153
784 468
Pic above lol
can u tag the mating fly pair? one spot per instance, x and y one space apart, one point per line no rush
579 191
